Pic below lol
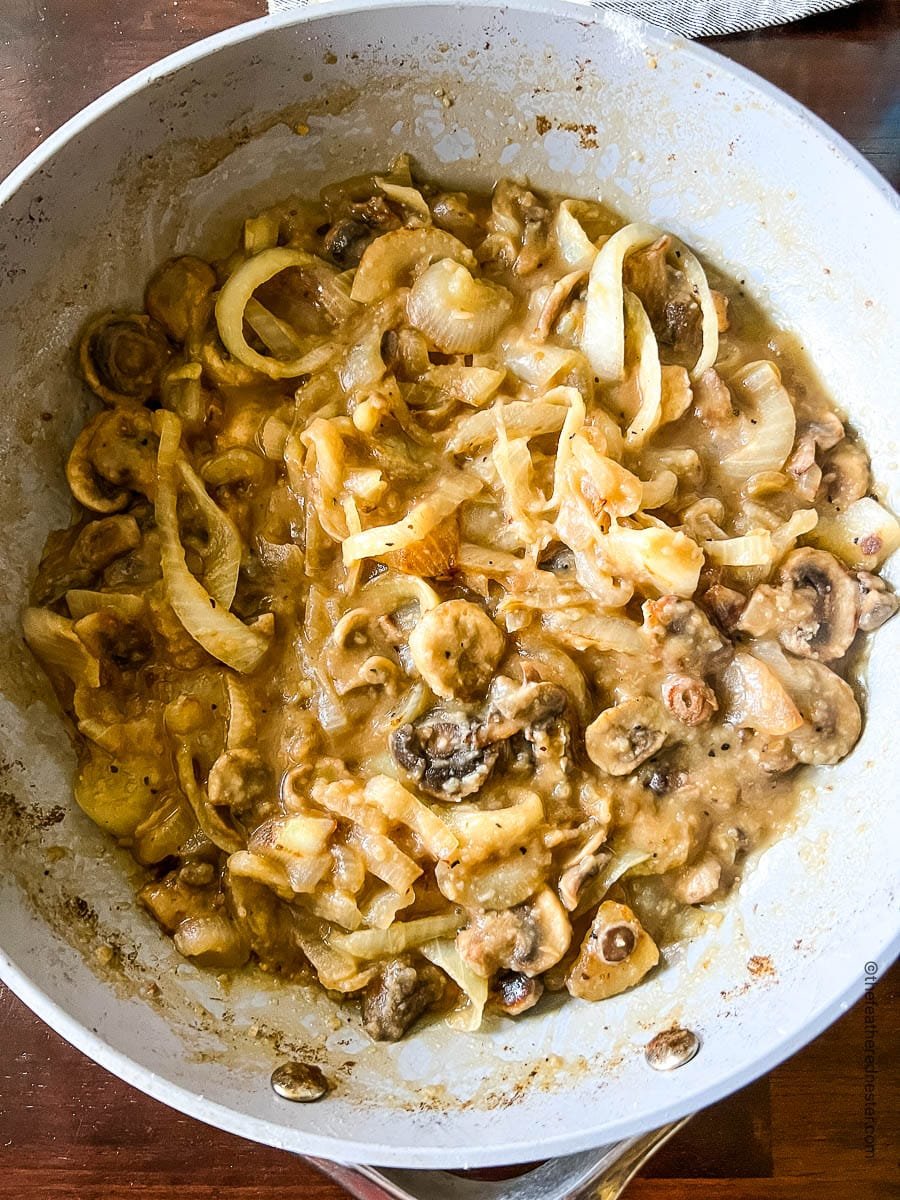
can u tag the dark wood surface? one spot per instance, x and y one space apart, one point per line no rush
70 1131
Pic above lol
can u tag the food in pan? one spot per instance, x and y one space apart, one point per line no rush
457 584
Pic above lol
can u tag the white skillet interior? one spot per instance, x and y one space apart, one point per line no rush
659 129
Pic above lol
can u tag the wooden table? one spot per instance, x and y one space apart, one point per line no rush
69 1131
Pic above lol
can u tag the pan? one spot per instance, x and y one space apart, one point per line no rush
589 103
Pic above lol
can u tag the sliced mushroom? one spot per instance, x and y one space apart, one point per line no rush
525 708
712 399
830 595
725 605
683 636
451 211
122 356
688 699
401 992
446 754
623 736
845 474
832 721
699 881
514 993
876 603
455 647
114 455
241 781
346 240
615 955
101 542
528 939
574 879
821 434
179 296
359 654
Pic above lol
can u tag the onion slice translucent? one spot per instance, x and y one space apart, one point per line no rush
649 373
603 336
237 293
771 438
458 313
216 629
444 955
391 258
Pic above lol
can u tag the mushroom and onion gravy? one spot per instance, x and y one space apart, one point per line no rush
457 584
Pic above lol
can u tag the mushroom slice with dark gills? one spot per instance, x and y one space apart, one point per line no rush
528 939
812 612
449 755
615 955
683 636
402 991
122 356
876 603
624 736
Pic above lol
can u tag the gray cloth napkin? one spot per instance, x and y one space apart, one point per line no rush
690 18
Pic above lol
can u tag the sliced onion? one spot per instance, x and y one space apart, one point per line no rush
402 808
219 832
458 313
603 336
231 309
381 906
520 418
223 552
657 557
750 550
754 697
421 519
483 833
709 317
863 534
391 258
542 365
771 439
408 197
445 956
51 638
649 373
575 247
398 938
658 491
82 601
474 386
217 630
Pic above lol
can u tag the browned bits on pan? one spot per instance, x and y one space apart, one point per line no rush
299 1081
672 1048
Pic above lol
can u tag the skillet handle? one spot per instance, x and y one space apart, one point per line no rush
601 1174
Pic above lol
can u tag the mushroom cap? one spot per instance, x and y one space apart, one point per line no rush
834 599
623 736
